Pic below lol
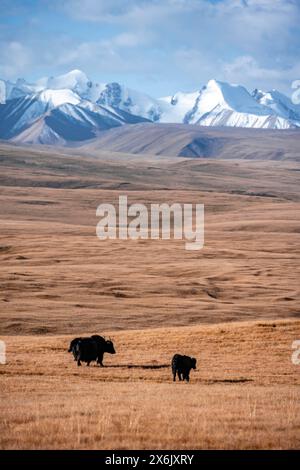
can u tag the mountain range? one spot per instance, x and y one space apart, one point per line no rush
71 108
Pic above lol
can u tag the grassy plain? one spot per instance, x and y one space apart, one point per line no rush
234 305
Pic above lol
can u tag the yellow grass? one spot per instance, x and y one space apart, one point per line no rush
244 393
57 277
233 305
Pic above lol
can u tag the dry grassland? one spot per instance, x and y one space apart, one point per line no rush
244 393
234 305
57 277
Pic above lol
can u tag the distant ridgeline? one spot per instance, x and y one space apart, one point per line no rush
70 108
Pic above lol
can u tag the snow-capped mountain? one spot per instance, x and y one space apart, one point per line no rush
105 94
174 108
9 90
18 113
72 107
279 103
77 81
222 104
57 110
140 104
71 123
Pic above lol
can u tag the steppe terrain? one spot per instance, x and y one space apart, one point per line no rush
244 393
234 305
188 140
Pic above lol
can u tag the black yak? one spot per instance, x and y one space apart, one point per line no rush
91 349
182 365
72 347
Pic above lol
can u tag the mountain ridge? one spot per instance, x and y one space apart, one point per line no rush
83 108
192 141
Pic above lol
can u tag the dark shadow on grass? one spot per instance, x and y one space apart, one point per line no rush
229 381
139 366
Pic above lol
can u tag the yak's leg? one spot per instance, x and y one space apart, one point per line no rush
179 375
174 376
88 363
100 359
78 361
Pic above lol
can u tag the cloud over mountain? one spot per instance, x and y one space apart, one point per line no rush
164 44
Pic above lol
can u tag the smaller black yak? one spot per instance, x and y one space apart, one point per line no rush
91 349
182 365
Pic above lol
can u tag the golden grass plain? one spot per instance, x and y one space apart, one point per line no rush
234 305
244 393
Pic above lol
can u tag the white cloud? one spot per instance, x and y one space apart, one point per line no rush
247 66
181 43
127 40
246 70
107 57
15 59
109 11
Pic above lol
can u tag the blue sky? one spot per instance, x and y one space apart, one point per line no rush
157 46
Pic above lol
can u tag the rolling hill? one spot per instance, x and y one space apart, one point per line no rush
194 141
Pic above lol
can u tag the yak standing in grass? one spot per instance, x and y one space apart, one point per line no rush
72 347
182 365
91 349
